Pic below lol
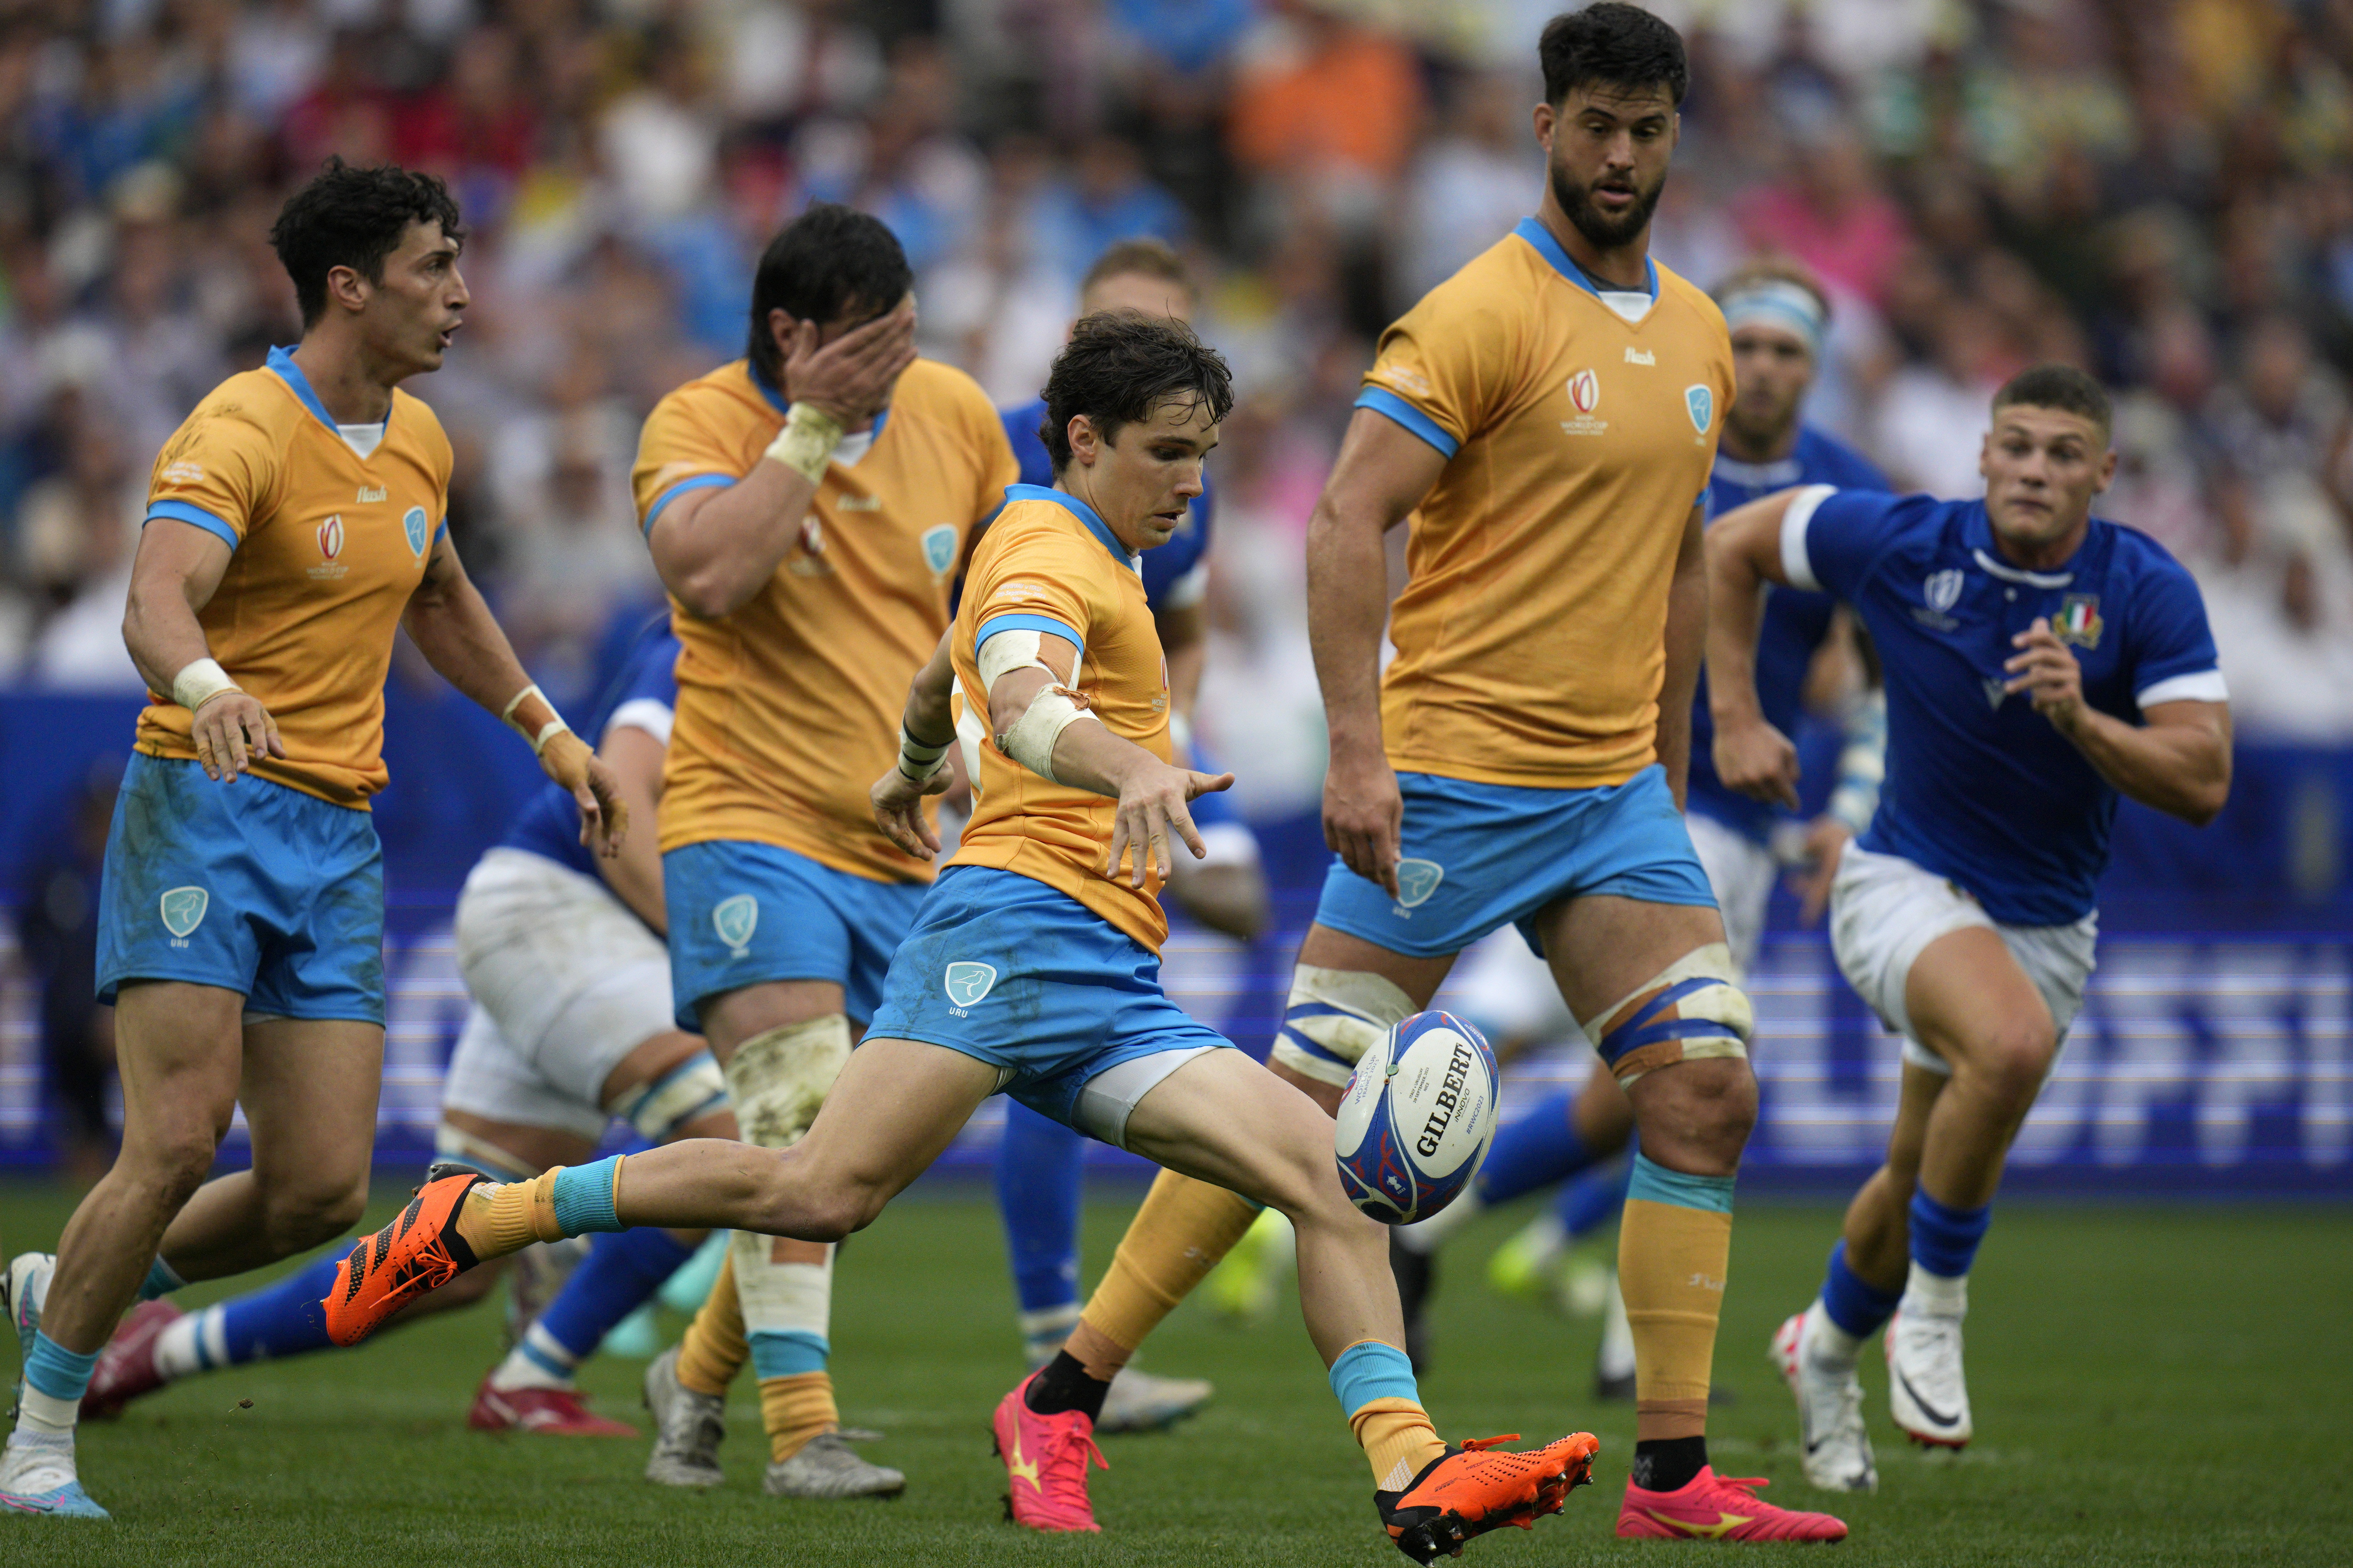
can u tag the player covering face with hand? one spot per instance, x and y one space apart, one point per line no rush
294 523
1033 968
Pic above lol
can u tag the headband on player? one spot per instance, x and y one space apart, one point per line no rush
1776 302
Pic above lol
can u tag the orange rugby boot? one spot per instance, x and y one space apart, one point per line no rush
416 1255
1472 1490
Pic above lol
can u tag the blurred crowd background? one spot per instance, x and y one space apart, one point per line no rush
2161 190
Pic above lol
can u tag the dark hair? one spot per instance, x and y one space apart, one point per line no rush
1623 45
830 262
1139 258
350 217
1117 364
2060 386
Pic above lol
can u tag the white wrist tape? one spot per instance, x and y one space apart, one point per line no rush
199 682
917 761
547 731
1031 740
1180 738
806 444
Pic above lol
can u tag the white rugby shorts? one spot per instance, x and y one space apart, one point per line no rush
1886 910
565 982
1742 872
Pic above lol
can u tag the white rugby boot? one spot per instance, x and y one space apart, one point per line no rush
1925 1391
688 1426
1829 1407
1139 1401
827 1467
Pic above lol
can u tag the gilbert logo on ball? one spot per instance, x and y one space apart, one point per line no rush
1417 1119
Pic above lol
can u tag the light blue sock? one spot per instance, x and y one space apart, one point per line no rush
1370 1371
583 1197
57 1372
162 1280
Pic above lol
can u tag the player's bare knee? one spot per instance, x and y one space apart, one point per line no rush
301 1214
2013 1063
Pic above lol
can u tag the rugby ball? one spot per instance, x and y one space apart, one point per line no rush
1417 1119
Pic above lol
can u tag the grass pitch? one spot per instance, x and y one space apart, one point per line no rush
2151 1387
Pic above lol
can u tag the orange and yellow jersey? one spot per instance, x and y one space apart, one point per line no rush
1049 565
327 548
788 708
1578 426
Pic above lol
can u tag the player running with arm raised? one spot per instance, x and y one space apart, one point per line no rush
563 1037
1039 1166
2039 663
293 523
808 507
1546 417
1033 969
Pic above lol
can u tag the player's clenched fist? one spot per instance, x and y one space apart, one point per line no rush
2047 672
604 815
230 731
1757 759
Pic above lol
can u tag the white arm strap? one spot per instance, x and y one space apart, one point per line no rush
1030 739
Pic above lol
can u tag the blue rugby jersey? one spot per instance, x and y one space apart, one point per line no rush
1795 621
1980 788
643 694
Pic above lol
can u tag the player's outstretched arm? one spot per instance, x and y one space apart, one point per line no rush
2177 759
459 638
172 578
716 548
634 870
1042 724
1744 554
1380 476
926 734
1686 641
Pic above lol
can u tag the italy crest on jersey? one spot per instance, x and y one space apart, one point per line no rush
2078 620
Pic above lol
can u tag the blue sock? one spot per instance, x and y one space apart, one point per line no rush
1854 1303
1536 1151
1038 1178
57 1372
161 1280
583 1197
1593 1200
1945 1240
281 1320
620 1274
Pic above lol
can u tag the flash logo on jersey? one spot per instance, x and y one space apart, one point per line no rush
2078 620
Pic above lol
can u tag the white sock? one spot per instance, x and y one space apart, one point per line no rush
43 1414
191 1345
1935 1293
538 1360
1616 1357
1043 1332
1824 1343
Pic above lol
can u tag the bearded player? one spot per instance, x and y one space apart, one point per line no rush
808 507
294 523
1033 969
1546 417
2040 662
1778 317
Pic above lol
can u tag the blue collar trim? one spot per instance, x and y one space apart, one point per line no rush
1534 231
775 397
1079 509
282 361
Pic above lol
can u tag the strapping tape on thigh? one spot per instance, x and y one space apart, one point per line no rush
693 1089
1692 1009
1333 1017
779 1076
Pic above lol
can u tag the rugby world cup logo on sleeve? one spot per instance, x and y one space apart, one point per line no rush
184 910
1943 589
966 983
1584 391
736 919
940 548
412 522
